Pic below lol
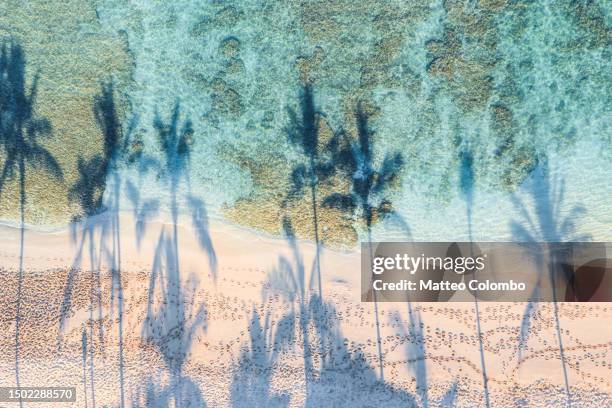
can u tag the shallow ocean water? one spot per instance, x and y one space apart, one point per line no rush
71 55
513 81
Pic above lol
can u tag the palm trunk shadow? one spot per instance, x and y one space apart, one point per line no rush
467 185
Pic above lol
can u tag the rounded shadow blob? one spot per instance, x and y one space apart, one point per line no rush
585 284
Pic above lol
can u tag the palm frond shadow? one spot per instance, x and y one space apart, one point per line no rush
200 223
344 367
152 395
398 220
369 184
252 382
412 334
546 223
449 399
142 210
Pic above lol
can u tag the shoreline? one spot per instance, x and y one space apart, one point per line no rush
8 224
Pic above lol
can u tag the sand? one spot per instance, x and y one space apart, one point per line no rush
230 329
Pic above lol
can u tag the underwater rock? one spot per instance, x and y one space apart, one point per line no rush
229 47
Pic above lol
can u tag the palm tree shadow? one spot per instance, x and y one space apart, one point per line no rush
317 164
369 187
20 132
106 115
173 321
546 224
20 127
97 193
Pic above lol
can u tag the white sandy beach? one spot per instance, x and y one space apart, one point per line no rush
245 323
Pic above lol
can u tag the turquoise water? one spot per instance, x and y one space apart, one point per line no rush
511 81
